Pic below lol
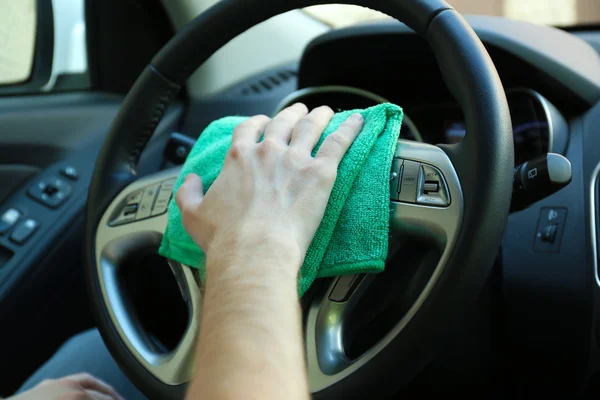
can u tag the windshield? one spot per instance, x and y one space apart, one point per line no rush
549 12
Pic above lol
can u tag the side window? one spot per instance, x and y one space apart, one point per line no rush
42 46
17 40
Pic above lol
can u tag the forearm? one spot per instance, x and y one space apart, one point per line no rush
250 343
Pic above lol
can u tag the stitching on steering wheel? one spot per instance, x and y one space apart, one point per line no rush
156 115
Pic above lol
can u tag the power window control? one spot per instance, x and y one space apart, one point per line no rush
24 231
8 219
69 172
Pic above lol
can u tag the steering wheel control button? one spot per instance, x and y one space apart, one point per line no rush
550 230
24 231
135 197
51 193
163 198
395 174
409 179
69 172
130 209
432 187
8 219
344 287
147 202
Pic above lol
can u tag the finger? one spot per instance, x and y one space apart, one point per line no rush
89 383
190 193
250 130
308 130
94 395
280 128
334 147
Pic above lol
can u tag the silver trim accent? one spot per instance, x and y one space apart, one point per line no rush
296 97
545 106
593 219
326 358
115 243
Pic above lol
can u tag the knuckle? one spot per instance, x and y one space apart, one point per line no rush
323 171
296 157
338 139
327 174
269 147
305 123
237 150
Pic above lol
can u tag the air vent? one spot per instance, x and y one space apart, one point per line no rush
268 82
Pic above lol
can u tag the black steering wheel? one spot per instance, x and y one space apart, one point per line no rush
475 178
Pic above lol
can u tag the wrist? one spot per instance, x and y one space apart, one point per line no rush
260 253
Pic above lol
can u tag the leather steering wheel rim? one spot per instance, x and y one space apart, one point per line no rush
483 162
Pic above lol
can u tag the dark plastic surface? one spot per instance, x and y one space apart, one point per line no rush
41 284
412 75
546 294
591 157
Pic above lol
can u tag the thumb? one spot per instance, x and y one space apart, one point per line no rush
190 194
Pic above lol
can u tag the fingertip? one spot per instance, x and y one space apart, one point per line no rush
357 118
300 107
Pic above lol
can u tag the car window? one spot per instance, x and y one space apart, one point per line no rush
550 12
17 40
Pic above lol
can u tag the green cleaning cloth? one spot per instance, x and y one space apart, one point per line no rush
353 236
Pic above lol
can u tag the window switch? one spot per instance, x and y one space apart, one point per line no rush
8 219
69 172
549 233
24 231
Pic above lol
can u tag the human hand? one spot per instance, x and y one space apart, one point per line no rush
73 387
270 197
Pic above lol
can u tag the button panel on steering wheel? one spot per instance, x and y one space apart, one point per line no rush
418 183
144 203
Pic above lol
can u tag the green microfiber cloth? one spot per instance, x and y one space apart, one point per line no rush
353 236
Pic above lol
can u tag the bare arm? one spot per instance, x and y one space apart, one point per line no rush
255 225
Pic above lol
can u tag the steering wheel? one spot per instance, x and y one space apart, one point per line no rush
476 175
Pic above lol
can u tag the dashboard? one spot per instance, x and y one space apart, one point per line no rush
546 304
538 127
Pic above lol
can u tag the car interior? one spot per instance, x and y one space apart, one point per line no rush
491 281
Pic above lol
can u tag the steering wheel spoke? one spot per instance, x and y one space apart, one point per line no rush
118 237
431 210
